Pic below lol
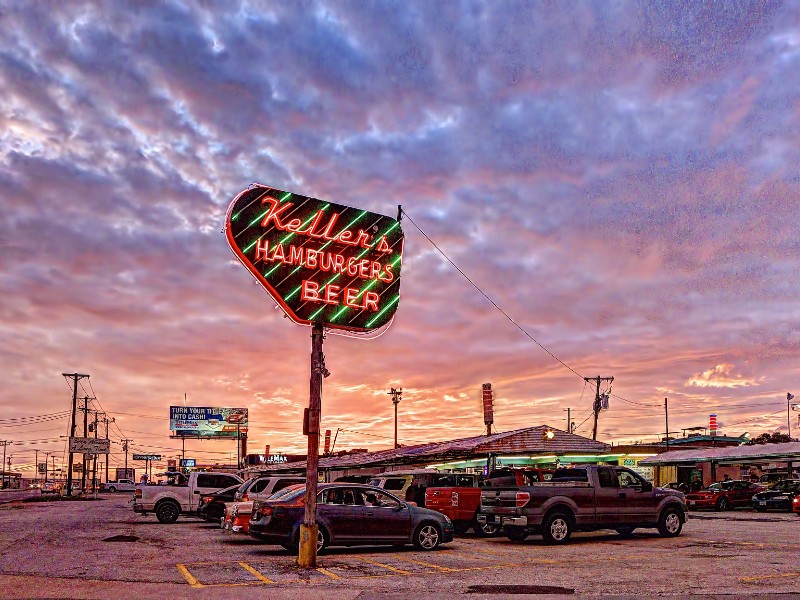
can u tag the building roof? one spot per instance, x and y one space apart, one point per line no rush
757 452
530 440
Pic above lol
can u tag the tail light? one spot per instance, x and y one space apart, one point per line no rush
138 493
245 498
522 499
454 499
207 499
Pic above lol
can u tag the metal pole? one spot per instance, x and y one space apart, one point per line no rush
36 470
307 557
3 464
85 434
666 418
789 417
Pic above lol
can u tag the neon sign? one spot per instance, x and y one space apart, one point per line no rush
321 262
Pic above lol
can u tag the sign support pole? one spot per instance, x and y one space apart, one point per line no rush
307 557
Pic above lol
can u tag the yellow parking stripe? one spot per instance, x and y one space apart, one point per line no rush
190 579
427 564
385 566
758 578
255 573
328 573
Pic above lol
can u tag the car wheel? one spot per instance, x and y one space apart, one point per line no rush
516 534
557 528
485 529
625 531
722 504
112 489
167 512
427 536
322 539
669 523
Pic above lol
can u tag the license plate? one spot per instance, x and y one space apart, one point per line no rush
691 502
490 518
762 502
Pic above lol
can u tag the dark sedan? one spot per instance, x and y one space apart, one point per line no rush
778 497
211 507
350 515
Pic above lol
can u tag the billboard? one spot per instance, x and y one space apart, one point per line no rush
321 262
207 422
155 457
89 445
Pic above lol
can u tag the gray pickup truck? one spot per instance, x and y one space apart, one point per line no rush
585 498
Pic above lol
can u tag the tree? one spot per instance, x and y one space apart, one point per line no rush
771 438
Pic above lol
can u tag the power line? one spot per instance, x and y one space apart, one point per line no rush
485 295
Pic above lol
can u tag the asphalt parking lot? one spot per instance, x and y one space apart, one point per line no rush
101 549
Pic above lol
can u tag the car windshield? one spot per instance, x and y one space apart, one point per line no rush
721 486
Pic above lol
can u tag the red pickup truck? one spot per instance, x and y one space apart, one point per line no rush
585 498
462 500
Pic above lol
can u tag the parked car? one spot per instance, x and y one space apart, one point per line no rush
411 485
237 516
263 486
350 515
583 499
48 487
778 497
211 507
458 496
120 485
767 480
168 502
796 504
674 485
724 495
508 476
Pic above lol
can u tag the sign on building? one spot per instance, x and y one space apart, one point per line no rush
321 262
42 468
156 457
84 445
189 462
488 404
200 421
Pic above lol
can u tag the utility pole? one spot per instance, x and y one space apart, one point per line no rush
75 378
569 420
85 410
397 396
666 419
36 470
108 456
3 464
125 449
307 555
597 404
789 398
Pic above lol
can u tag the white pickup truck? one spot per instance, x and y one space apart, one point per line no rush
169 501
120 485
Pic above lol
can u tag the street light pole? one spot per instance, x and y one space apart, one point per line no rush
397 396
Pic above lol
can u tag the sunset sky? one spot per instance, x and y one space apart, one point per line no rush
620 178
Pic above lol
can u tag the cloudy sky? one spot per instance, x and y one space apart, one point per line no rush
620 178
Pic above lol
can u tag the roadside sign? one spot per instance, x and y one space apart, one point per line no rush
188 462
155 457
42 468
323 263
89 445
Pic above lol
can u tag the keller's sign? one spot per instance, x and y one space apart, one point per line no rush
156 457
89 445
322 262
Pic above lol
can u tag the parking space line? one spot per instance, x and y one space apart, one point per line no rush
328 573
258 575
425 564
190 579
385 566
757 578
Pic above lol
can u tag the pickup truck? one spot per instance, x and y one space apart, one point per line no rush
461 504
585 498
168 502
120 485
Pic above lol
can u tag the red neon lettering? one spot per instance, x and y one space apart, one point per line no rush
389 276
383 246
327 233
293 224
374 270
273 214
262 247
296 255
311 258
310 290
352 267
363 239
332 294
371 301
278 254
310 230
350 297
326 261
338 263
363 268
345 237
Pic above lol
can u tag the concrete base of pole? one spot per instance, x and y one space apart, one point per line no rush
307 557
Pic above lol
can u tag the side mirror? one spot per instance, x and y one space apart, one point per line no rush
400 507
